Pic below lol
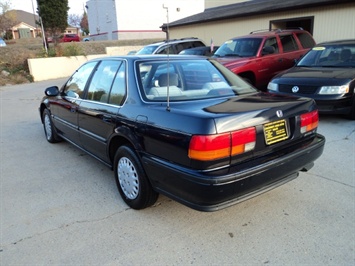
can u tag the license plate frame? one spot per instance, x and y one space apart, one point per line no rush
275 131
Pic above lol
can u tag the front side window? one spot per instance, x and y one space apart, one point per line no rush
147 49
102 80
75 86
166 49
272 42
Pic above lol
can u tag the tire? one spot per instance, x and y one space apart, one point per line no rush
351 115
247 80
49 129
131 180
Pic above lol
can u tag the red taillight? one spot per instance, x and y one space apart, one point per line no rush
243 140
309 121
212 147
209 147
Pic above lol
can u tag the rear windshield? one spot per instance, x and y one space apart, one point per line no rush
186 80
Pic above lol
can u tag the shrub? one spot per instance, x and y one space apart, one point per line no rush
71 49
13 57
15 63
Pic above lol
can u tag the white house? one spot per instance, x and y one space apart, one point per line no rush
136 19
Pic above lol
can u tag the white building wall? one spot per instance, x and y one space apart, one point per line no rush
136 19
102 19
330 23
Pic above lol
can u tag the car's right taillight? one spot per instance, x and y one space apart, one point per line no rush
218 146
309 121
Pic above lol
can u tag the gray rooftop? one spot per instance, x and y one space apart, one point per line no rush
250 8
23 16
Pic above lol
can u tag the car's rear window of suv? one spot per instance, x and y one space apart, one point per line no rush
305 39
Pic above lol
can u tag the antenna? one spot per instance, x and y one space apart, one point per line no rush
168 48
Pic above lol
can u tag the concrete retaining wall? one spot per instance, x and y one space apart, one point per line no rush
61 67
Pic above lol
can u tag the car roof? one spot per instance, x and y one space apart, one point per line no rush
174 41
266 33
151 57
147 57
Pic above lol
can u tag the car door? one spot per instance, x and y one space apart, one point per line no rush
65 107
269 64
98 111
290 50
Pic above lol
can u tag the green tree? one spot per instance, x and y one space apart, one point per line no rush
84 24
54 15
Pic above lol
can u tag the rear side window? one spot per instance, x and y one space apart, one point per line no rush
288 43
187 45
305 39
197 44
118 90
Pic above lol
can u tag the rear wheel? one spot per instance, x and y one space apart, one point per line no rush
49 130
131 180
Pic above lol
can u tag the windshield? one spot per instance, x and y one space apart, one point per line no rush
242 47
329 56
188 80
148 49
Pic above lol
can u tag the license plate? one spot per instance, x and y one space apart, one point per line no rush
275 132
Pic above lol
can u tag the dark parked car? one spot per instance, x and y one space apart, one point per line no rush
326 74
260 55
173 46
182 126
202 50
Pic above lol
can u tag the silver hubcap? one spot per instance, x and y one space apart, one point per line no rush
128 178
47 126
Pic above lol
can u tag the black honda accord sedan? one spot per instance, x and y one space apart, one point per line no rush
184 127
326 74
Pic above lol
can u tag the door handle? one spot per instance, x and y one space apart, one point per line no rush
107 118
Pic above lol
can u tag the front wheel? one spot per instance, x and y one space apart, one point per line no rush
49 129
351 115
131 180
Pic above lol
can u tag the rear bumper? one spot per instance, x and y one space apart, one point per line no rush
211 191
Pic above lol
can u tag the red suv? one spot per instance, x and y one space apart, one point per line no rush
261 55
70 38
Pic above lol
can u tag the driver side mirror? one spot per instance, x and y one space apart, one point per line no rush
52 91
268 50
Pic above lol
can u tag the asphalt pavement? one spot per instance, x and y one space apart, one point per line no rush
60 206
